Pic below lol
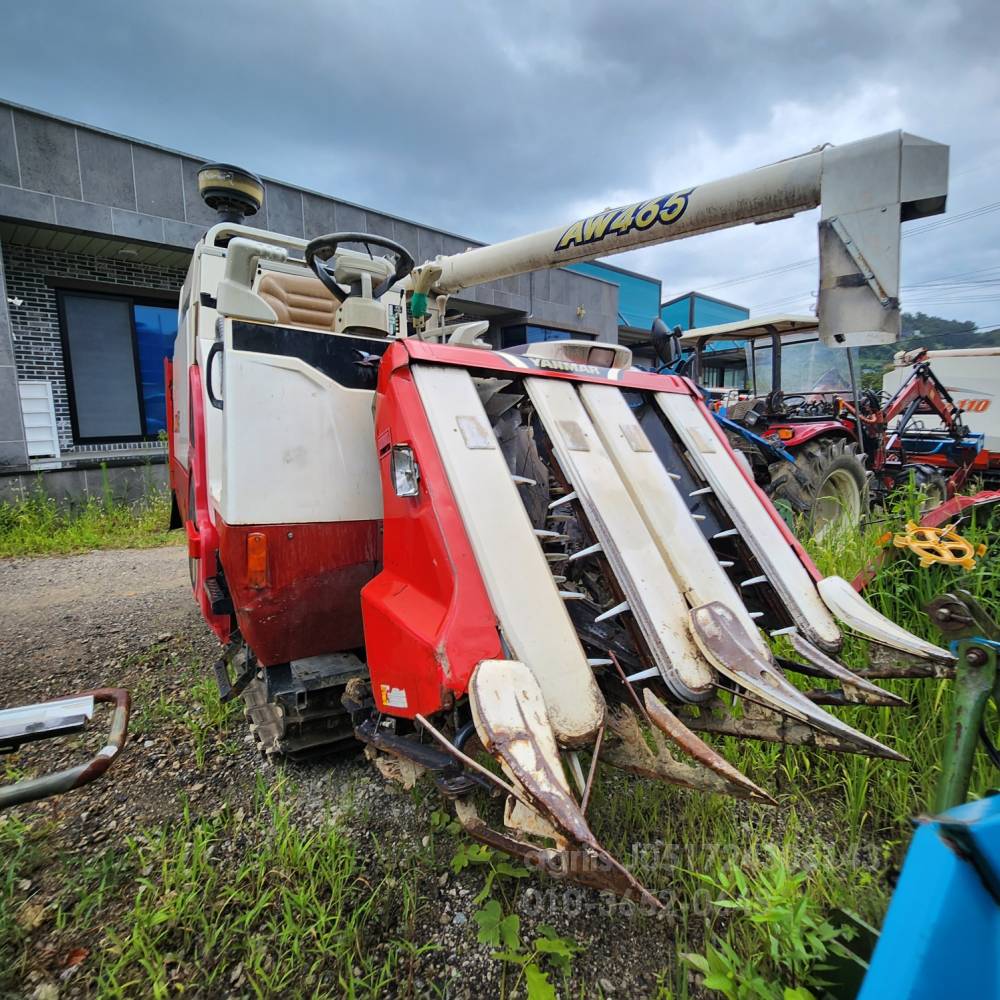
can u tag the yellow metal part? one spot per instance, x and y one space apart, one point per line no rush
939 545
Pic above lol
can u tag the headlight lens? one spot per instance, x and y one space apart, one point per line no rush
405 471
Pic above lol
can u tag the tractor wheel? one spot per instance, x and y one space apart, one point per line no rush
827 486
932 484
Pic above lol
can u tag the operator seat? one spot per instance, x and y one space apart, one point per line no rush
298 299
738 410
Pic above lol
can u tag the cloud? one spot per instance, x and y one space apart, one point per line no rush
492 119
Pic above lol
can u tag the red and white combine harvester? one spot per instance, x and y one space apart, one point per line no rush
406 538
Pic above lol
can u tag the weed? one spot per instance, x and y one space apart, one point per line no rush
19 854
494 864
280 912
209 717
38 525
88 886
199 708
779 946
548 954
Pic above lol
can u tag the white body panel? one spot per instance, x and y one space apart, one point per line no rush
212 268
183 349
532 616
855 612
973 379
654 597
284 422
776 557
288 423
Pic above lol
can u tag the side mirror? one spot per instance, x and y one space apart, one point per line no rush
665 342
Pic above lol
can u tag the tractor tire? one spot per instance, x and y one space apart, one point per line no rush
831 488
930 482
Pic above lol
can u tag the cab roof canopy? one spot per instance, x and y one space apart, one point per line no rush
756 326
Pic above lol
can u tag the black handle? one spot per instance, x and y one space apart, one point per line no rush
216 348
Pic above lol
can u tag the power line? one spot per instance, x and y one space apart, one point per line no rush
781 269
972 213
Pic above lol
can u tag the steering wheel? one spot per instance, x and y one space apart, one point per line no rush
323 248
786 405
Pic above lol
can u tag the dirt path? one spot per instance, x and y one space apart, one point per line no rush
63 619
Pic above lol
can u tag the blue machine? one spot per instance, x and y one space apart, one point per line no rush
941 937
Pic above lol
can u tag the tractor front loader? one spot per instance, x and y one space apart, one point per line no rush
405 538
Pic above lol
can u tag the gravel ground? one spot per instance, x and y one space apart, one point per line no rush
126 618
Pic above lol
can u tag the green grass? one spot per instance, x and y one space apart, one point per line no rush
18 856
288 914
245 902
255 905
201 711
38 525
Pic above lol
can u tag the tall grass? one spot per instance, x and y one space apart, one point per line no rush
38 525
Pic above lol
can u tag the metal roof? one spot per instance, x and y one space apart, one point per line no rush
756 326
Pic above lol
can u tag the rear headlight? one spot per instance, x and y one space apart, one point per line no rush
405 471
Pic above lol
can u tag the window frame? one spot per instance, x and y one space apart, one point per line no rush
156 299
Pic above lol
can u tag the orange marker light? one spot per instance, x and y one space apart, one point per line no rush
257 560
786 433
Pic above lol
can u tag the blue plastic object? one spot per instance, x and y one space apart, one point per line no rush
955 450
941 937
771 450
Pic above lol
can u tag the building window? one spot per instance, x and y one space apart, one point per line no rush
114 346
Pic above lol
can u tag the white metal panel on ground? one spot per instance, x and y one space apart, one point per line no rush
686 551
532 616
653 596
777 558
41 433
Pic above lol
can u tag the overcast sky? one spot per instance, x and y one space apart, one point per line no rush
494 119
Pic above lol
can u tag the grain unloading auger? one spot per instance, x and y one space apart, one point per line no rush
544 550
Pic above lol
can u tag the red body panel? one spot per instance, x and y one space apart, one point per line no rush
203 540
311 602
801 433
984 461
956 506
473 358
427 618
